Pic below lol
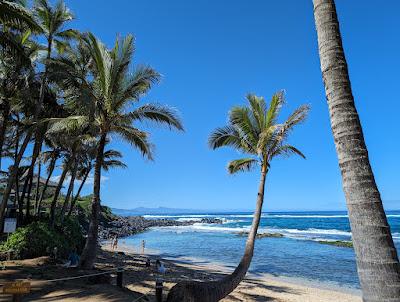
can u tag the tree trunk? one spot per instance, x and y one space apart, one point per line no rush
39 137
77 193
57 193
3 128
28 202
14 169
90 249
38 184
69 192
216 290
51 169
12 178
377 260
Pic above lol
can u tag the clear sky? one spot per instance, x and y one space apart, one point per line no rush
211 54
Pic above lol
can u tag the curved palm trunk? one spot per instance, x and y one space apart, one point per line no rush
377 260
69 192
89 251
57 193
216 290
71 208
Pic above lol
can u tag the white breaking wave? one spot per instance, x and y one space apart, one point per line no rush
200 227
305 216
264 215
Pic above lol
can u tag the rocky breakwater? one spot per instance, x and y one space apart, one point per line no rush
126 226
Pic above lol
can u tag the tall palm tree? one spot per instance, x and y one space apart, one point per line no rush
104 101
252 130
52 22
377 261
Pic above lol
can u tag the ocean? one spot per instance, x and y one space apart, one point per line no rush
298 254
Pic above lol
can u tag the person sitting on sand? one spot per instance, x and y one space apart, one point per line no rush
160 267
148 263
73 259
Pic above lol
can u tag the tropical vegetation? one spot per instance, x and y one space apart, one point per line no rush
64 94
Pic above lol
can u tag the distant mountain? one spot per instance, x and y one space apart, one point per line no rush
164 211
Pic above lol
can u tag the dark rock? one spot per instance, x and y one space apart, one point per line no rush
127 226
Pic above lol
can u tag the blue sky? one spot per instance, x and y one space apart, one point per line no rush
211 54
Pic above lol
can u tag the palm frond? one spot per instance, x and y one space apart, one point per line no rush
157 113
226 136
15 15
68 124
136 138
242 165
113 163
287 150
240 118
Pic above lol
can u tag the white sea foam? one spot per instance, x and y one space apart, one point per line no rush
305 216
200 227
264 215
317 232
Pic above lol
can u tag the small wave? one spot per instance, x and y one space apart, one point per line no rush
189 219
266 215
182 216
305 216
312 231
211 228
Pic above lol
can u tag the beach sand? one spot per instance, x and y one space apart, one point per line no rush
139 281
254 288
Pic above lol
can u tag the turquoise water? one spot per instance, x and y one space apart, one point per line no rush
297 254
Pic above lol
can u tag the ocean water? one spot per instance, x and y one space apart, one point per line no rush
297 254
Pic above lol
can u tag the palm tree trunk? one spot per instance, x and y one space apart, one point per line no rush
71 208
51 169
14 169
28 201
216 290
28 182
3 128
90 249
377 261
69 192
57 193
12 178
38 185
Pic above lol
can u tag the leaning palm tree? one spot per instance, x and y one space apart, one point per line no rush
103 102
252 130
377 259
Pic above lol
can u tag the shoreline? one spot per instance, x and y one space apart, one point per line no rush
295 289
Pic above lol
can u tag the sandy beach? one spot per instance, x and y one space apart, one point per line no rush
254 288
139 280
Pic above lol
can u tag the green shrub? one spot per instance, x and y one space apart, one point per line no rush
39 239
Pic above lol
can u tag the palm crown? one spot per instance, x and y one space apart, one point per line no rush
255 130
104 94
